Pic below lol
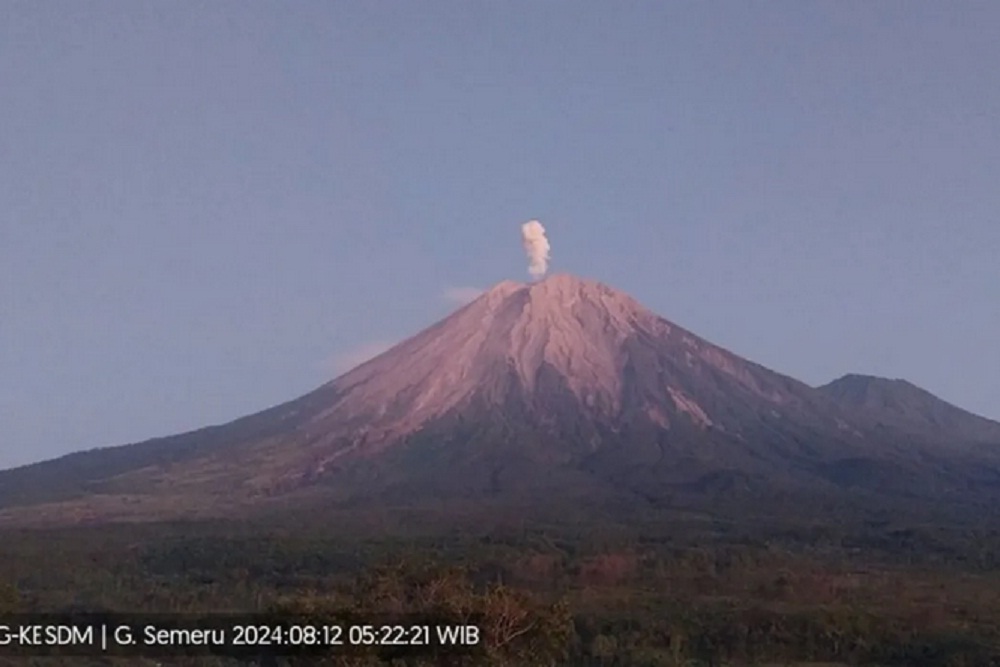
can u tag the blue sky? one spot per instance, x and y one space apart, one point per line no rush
208 208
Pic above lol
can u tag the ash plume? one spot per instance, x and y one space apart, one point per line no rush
536 246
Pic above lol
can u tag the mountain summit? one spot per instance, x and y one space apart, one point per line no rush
572 359
563 387
560 336
509 338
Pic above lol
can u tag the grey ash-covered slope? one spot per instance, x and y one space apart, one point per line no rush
558 388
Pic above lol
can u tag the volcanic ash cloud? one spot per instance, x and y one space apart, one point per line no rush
536 246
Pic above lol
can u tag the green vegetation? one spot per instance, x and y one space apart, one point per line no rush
696 591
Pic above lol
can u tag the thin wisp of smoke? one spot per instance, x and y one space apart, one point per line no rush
537 247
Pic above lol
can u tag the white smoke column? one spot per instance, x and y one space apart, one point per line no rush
537 247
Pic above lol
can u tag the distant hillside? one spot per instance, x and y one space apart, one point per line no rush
903 405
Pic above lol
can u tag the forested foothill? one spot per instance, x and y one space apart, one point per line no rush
700 590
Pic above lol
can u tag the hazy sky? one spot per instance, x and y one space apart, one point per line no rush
206 208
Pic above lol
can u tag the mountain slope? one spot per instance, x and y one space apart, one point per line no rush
906 406
561 388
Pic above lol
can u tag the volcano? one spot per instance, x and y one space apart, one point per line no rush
560 389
